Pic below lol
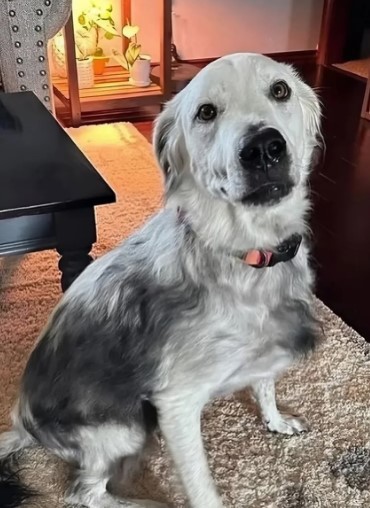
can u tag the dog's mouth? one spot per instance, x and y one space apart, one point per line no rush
268 193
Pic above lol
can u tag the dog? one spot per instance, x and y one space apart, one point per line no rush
211 296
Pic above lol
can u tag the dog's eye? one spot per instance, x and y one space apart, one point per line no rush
280 90
207 112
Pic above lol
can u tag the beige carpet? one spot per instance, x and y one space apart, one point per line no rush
328 467
360 67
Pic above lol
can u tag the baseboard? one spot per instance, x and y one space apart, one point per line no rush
308 56
304 56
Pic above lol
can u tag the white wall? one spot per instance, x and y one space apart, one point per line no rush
212 28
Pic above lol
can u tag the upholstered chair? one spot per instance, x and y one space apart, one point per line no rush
25 28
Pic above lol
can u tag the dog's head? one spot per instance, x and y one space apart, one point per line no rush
244 130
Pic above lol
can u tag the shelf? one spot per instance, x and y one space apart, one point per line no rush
112 85
112 91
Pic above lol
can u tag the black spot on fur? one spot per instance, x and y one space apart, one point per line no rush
161 143
310 332
302 331
305 340
98 366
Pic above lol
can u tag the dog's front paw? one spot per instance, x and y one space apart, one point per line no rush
288 424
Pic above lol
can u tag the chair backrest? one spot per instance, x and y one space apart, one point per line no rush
25 28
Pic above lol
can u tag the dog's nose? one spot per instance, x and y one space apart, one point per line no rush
264 149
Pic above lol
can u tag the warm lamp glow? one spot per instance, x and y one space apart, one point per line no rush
99 66
104 134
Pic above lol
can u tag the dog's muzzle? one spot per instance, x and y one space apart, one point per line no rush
265 158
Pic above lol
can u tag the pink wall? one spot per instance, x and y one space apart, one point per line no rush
211 28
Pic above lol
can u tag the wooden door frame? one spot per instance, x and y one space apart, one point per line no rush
365 112
333 33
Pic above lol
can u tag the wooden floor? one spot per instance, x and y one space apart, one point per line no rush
341 195
341 192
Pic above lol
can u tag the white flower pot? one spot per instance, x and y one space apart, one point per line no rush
140 71
85 73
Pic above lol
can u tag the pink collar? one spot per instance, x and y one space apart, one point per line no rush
260 258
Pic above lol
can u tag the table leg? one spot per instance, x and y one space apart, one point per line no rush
76 233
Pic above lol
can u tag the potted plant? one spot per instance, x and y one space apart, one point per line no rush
85 69
96 22
58 55
133 60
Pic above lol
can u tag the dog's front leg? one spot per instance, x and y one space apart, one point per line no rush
179 422
276 421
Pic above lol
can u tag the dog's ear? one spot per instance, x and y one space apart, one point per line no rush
168 149
311 107
312 113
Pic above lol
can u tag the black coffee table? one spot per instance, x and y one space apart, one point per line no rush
48 189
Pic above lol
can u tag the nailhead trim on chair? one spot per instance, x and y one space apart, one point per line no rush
25 27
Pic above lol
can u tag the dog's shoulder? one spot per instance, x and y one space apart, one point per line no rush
111 326
128 299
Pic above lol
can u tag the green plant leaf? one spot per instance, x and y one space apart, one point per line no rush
106 25
99 52
94 13
130 31
132 53
137 50
85 41
121 59
105 15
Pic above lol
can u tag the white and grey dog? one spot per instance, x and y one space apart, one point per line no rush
211 296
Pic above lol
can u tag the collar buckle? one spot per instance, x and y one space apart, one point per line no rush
285 251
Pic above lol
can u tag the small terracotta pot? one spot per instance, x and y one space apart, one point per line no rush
99 65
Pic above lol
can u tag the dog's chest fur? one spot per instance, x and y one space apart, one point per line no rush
229 324
252 326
